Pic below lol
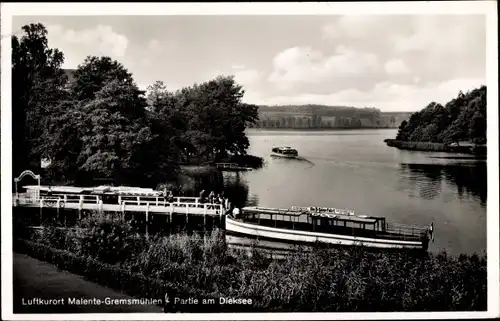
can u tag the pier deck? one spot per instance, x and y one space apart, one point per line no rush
180 205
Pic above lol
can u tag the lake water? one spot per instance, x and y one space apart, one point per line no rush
355 169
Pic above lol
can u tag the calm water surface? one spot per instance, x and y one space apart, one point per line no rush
356 170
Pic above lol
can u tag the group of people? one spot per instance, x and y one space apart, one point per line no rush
214 198
211 198
169 196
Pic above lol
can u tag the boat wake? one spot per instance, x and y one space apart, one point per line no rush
305 160
295 159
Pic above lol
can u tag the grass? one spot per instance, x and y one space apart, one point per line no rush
325 280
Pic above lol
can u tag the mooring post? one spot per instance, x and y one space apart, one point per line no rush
220 215
170 216
147 219
80 205
41 206
123 211
204 219
187 214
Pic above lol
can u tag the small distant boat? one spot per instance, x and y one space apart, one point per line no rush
285 152
327 225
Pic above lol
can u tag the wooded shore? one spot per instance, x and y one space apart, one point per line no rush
478 150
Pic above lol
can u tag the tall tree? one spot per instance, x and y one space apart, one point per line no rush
215 109
37 87
104 133
94 73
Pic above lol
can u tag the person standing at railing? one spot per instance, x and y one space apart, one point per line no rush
202 196
170 197
236 212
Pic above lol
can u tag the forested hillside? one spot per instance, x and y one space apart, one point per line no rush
461 119
320 116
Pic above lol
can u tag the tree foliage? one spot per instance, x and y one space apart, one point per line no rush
101 125
461 119
209 118
37 87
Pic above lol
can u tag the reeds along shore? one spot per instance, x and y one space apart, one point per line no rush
346 279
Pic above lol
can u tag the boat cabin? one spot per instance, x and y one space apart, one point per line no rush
330 222
285 151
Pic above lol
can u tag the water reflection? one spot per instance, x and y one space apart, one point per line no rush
237 190
469 179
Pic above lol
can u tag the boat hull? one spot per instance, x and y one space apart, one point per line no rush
254 230
283 156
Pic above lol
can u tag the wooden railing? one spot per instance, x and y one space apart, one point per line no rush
406 230
60 200
226 165
231 166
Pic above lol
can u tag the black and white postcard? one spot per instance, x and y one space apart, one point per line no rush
232 161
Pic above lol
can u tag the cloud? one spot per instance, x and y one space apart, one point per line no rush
390 62
306 67
455 43
238 67
248 77
153 45
101 40
396 66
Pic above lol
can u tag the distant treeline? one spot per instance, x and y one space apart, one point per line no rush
320 116
462 119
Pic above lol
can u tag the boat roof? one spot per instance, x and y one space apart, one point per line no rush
284 148
56 189
122 190
300 211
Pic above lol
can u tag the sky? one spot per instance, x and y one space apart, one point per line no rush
390 62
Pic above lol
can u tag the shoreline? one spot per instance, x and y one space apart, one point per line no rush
318 129
478 151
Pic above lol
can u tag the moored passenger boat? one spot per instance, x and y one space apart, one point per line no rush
285 152
327 225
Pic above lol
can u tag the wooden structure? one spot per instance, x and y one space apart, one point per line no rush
119 200
24 174
231 167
